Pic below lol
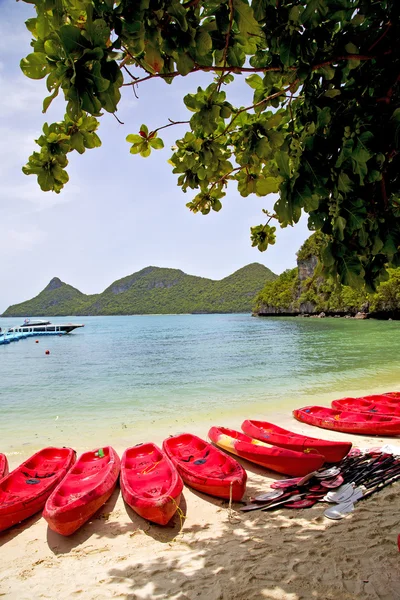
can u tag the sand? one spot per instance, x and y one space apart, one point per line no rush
215 553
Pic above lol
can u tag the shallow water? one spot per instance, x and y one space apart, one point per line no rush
121 379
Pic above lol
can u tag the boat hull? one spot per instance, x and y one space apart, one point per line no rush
150 483
3 466
272 434
366 406
205 468
87 486
24 491
288 462
348 422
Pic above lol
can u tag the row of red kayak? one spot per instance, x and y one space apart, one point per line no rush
378 414
151 479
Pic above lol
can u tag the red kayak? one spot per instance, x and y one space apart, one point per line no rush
205 468
150 484
3 465
276 459
348 422
383 399
25 490
393 395
364 405
87 486
272 434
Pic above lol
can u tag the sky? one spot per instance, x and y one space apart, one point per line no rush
119 213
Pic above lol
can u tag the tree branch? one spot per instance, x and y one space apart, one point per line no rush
170 124
260 103
129 73
228 35
381 37
239 70
224 177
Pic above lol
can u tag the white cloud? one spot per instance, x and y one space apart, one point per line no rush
27 198
21 95
13 241
16 146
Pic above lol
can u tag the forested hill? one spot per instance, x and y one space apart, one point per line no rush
152 290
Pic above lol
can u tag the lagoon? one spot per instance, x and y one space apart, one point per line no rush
122 380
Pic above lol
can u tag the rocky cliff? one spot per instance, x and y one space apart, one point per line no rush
304 291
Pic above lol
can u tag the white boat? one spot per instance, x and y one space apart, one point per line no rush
41 328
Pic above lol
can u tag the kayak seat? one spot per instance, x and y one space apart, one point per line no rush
74 488
17 483
49 460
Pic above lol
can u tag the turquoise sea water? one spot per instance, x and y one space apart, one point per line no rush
119 379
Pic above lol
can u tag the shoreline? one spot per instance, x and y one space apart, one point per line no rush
124 431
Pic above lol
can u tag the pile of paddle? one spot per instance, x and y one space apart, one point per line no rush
356 477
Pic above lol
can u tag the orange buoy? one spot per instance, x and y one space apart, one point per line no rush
47 352
36 341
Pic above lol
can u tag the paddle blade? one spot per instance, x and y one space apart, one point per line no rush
268 496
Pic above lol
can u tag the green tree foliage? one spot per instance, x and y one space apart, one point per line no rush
281 294
322 131
387 297
152 290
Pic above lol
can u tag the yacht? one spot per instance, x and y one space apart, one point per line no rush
42 328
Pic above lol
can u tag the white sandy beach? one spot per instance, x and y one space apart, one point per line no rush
215 554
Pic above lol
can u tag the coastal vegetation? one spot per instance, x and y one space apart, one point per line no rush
152 291
322 129
305 289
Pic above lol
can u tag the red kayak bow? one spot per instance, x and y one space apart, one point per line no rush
150 483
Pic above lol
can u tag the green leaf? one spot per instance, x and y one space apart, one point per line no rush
49 99
327 256
203 43
134 138
350 271
328 72
339 227
35 65
46 180
294 13
282 160
53 49
184 64
344 183
276 139
332 93
146 151
153 59
267 185
72 39
324 117
377 246
60 174
91 140
287 54
351 48
244 17
90 103
157 143
99 33
177 11
76 142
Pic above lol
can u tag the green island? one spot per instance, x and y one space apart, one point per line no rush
152 290
306 290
